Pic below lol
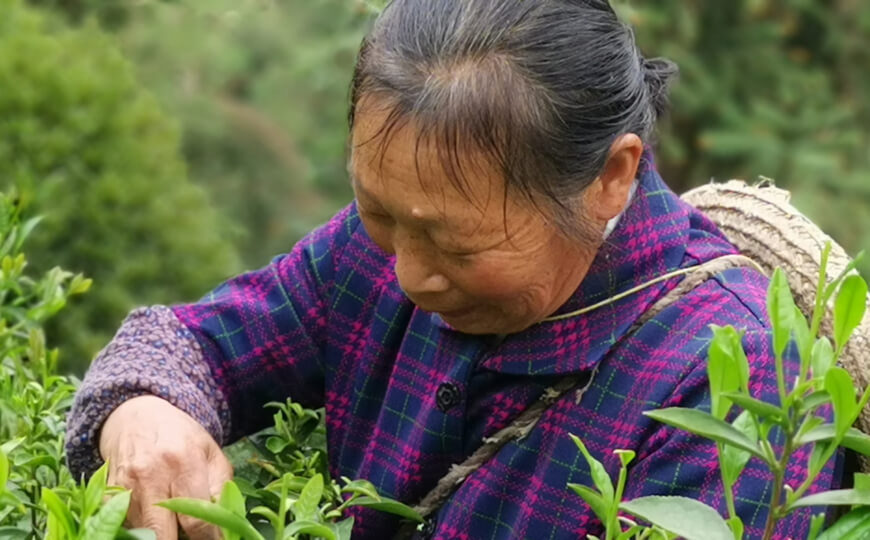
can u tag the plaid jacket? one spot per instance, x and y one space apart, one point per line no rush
406 396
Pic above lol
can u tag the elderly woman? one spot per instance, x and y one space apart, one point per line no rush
503 181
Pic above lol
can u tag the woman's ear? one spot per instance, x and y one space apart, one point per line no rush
612 187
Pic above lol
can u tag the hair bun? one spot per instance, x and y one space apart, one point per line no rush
658 73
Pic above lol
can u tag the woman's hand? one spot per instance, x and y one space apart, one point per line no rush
159 452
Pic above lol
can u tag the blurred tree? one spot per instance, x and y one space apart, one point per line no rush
772 88
96 156
769 87
260 89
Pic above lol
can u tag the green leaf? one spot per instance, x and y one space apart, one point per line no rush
757 407
722 368
106 523
813 402
232 499
390 506
625 456
309 527
361 487
835 497
853 439
733 459
849 309
861 481
857 520
213 513
703 424
816 524
136 534
306 506
839 384
60 511
781 310
802 338
688 518
821 357
342 529
4 471
94 491
599 474
593 499
276 444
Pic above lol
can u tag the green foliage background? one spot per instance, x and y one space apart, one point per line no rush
258 92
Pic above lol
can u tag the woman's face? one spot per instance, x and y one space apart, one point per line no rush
485 262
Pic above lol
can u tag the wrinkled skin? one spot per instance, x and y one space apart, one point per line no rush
485 266
160 452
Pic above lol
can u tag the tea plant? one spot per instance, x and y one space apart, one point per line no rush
33 399
819 383
299 497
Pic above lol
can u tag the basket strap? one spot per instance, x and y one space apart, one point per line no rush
526 421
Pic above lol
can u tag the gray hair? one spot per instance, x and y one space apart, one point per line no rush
541 87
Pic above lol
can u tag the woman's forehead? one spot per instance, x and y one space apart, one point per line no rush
391 158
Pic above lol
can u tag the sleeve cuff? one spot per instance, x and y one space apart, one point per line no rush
152 353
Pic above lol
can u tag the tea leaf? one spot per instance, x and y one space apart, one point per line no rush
390 506
839 384
60 511
305 508
593 499
853 439
309 527
835 497
849 309
757 407
213 513
821 357
688 518
94 491
625 456
599 474
136 534
722 370
342 529
361 487
4 471
733 459
703 424
781 310
232 499
857 520
106 523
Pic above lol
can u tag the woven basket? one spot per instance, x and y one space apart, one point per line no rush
765 227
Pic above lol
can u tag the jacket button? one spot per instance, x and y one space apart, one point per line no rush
448 396
427 529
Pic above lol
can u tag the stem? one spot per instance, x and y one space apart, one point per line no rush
778 479
612 521
818 309
282 509
728 487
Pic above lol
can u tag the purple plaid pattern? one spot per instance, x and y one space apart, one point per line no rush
328 325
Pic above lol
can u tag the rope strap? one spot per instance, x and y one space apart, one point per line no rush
528 419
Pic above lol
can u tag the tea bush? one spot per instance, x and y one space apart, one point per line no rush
39 498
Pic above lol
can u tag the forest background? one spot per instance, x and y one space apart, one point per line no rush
171 144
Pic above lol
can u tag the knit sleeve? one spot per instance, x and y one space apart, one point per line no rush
256 338
152 353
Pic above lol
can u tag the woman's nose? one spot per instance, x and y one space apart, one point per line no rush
414 271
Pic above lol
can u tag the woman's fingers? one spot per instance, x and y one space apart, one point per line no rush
159 452
220 471
193 482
